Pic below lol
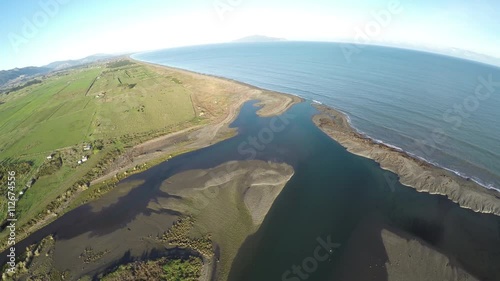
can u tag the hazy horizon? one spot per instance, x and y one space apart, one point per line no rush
421 49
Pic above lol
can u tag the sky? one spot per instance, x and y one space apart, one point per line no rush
37 32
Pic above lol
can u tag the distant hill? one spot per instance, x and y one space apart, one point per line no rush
258 38
18 73
57 65
16 76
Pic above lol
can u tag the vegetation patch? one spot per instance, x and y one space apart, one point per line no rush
37 263
119 63
160 269
177 270
179 235
22 170
52 165
89 255
27 84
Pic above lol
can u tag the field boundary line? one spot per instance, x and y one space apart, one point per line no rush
92 84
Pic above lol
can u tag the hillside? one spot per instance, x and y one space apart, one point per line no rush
14 77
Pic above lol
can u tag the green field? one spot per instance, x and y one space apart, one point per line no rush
111 104
60 112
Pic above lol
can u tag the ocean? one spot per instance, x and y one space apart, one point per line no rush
441 109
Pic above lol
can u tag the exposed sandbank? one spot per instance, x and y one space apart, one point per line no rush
229 201
413 172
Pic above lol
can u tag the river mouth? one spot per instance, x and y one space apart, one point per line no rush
333 193
376 223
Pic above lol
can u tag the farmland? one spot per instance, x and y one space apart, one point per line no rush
107 106
60 112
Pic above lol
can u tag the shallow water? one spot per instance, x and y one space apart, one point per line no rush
331 194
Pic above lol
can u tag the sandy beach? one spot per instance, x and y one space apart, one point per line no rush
416 173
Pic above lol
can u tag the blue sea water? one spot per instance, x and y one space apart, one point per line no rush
443 109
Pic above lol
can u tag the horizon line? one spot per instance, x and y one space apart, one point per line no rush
424 49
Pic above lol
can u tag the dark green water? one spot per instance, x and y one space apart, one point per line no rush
331 194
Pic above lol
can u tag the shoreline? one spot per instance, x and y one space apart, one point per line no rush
377 141
200 136
332 122
262 113
412 171
317 103
479 198
436 165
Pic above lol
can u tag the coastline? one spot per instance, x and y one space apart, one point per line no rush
420 174
200 136
267 109
414 172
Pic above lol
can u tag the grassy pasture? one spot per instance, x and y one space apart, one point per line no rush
99 102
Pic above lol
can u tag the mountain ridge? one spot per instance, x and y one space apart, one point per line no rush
15 76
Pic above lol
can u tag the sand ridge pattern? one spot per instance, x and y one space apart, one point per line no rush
229 202
256 184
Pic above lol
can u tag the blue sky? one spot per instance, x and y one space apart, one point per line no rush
37 32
